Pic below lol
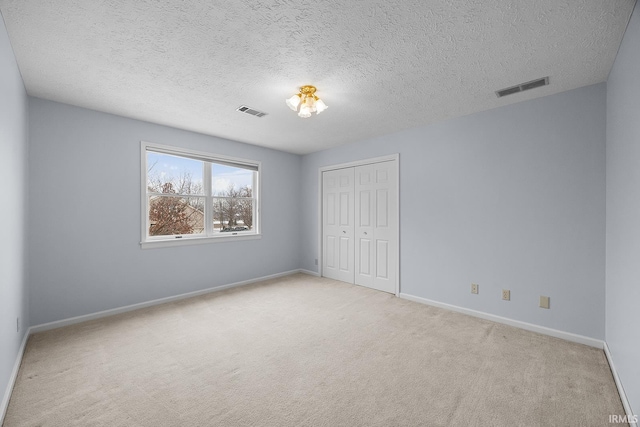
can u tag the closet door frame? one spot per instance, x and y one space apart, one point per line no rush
393 157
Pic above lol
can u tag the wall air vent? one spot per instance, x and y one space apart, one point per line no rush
249 110
522 87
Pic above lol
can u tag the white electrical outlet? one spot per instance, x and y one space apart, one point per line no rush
506 294
474 288
544 302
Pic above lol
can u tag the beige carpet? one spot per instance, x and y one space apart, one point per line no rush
306 351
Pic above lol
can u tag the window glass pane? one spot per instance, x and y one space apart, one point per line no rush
169 215
232 214
229 181
173 174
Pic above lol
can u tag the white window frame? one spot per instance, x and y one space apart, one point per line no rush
208 236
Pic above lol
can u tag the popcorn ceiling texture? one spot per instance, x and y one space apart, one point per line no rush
380 65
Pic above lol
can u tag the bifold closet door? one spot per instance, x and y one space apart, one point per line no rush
337 225
360 225
376 232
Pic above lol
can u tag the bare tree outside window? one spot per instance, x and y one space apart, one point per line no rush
233 209
170 212
246 206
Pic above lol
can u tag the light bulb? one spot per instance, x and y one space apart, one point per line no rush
320 106
293 102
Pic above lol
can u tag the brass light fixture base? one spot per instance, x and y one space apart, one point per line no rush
308 90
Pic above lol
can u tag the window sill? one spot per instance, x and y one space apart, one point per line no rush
186 241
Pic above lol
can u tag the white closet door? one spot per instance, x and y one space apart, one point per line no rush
337 224
376 232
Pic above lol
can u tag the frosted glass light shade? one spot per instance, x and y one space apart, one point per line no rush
305 111
310 103
293 102
320 106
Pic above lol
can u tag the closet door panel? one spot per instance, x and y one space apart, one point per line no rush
376 225
338 225
364 227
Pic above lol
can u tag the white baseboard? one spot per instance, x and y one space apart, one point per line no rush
309 272
113 311
13 377
623 395
592 342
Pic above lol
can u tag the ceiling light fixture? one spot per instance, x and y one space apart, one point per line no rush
307 102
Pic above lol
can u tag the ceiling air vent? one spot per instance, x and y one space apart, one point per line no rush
249 110
522 87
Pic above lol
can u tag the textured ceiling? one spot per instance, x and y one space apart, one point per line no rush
380 65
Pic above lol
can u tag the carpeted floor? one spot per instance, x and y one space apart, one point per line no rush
307 351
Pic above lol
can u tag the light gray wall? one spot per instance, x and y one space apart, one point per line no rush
13 176
84 216
509 198
623 212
